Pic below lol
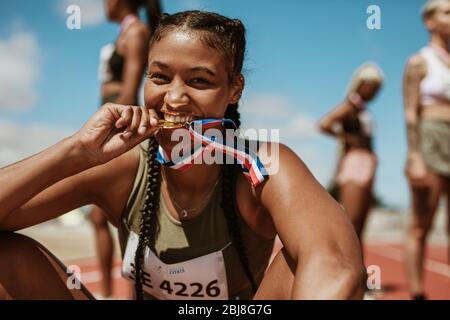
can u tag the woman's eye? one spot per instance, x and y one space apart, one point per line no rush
159 77
199 81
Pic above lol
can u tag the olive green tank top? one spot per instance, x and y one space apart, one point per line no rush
178 241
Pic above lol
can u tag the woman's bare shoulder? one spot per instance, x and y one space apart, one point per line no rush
138 30
416 65
286 174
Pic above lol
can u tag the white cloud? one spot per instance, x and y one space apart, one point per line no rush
272 111
92 11
265 105
19 70
18 141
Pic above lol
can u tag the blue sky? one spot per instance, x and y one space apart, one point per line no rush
300 57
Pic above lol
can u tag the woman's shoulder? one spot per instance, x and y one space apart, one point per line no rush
288 179
282 164
274 157
416 64
276 154
138 30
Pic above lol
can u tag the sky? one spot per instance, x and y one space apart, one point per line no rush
299 60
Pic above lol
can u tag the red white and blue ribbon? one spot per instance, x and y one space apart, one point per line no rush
251 165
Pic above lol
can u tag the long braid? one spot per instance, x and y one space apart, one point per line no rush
228 205
148 225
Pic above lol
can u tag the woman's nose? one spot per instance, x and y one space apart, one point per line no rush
176 95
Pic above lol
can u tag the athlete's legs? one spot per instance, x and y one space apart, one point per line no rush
356 200
424 204
29 271
105 249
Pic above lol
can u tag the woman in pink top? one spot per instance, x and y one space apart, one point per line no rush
351 123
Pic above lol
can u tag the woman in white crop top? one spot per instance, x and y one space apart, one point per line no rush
427 113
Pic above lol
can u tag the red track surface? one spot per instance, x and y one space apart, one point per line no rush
389 257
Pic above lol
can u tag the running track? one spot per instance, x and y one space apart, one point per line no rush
389 257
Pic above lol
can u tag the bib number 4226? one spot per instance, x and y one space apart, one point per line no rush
194 289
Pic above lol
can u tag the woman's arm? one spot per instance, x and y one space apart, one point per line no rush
414 73
315 230
112 131
23 180
135 53
331 122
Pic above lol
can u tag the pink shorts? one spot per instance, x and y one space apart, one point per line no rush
358 166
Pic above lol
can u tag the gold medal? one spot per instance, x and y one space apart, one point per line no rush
170 125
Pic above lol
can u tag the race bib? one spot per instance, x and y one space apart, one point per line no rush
200 278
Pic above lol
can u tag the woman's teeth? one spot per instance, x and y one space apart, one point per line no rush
172 118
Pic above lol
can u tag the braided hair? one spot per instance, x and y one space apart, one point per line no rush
227 36
148 223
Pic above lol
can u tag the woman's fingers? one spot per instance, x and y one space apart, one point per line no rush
130 119
126 115
116 128
145 122
153 117
149 120
135 121
145 128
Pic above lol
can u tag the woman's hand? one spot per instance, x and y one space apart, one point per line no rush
113 130
416 170
57 175
331 123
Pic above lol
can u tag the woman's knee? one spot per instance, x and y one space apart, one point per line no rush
17 253
13 249
419 232
29 271
98 219
14 245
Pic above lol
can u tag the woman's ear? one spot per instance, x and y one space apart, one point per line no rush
237 88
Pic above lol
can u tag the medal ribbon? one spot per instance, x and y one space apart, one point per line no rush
251 165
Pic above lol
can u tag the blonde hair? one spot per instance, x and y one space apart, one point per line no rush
430 7
367 72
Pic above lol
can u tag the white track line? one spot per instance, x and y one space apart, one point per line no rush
397 254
